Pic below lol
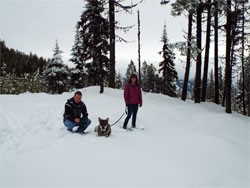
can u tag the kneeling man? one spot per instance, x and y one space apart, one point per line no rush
75 114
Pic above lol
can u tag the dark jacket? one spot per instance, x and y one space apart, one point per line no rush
132 94
73 110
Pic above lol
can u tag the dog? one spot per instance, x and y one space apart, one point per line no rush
104 128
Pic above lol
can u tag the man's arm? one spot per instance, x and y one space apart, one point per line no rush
84 110
68 113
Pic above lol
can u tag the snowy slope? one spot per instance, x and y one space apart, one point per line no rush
183 144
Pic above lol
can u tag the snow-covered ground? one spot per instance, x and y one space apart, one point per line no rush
182 145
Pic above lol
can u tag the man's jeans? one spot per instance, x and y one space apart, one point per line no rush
82 125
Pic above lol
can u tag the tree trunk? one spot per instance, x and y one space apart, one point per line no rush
112 43
197 87
139 47
242 58
228 60
101 88
206 61
186 78
216 73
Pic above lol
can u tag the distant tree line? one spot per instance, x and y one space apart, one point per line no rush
15 62
20 72
93 55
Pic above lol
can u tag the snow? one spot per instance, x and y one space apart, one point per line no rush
182 145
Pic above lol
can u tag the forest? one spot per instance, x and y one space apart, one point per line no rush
93 54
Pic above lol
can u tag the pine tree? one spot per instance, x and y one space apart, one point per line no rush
144 77
167 67
151 78
78 74
131 69
178 8
240 21
36 82
112 74
220 84
158 82
228 71
208 6
119 81
148 77
56 73
217 9
77 77
197 85
238 97
92 37
210 87
248 83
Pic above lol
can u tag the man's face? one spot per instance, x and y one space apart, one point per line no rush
77 98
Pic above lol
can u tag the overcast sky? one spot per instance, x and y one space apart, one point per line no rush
35 25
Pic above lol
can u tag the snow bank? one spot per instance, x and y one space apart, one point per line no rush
182 145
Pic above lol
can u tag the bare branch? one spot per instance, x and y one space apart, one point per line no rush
127 8
120 39
164 2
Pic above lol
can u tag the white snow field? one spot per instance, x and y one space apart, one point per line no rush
182 145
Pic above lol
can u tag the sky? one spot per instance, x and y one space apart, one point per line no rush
34 26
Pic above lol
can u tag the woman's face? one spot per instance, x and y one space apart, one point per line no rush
133 80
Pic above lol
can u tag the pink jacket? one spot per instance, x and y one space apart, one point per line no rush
132 94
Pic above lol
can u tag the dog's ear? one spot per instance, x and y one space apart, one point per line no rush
107 119
99 119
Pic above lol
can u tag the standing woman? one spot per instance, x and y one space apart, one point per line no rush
133 99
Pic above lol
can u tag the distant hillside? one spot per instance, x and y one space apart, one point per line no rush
190 84
13 61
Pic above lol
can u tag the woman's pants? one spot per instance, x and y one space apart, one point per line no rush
132 110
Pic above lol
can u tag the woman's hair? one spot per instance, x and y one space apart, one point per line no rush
133 76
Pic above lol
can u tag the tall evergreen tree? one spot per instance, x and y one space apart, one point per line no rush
247 77
210 87
93 35
220 84
240 23
239 103
78 73
56 73
112 73
148 77
228 71
197 85
217 9
119 81
151 81
144 77
208 6
178 8
167 67
131 69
